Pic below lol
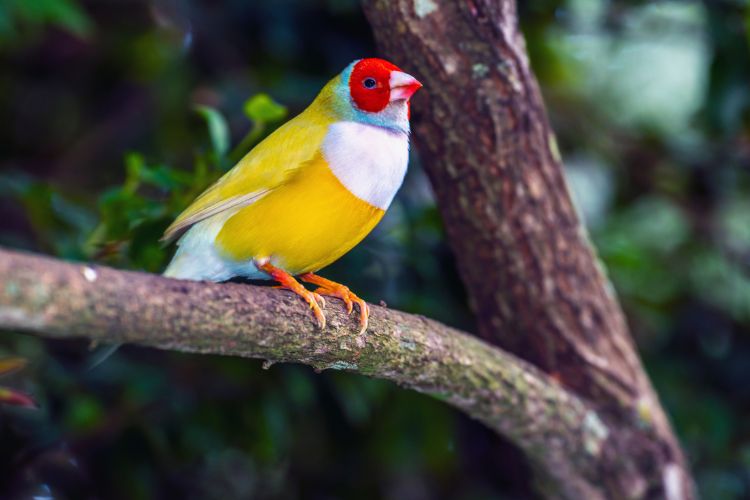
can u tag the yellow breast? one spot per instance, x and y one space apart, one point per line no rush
302 226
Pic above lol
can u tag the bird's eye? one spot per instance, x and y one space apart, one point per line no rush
369 83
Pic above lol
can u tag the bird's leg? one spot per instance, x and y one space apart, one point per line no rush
288 282
333 289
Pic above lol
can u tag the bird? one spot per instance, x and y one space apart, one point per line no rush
306 194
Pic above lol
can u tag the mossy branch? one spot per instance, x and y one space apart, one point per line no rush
559 433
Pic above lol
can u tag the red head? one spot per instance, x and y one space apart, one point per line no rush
374 83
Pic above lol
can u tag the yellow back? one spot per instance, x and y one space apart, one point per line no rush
266 167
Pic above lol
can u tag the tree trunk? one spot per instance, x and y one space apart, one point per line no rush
533 280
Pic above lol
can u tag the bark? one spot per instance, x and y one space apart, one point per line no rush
562 435
532 277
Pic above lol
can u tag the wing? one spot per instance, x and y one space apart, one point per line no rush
266 167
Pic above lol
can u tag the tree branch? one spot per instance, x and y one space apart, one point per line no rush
558 431
531 274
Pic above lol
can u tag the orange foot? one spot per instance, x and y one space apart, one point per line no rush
333 289
288 282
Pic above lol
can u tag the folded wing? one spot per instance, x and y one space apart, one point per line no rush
266 167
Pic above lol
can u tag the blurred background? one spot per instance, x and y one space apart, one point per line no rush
114 114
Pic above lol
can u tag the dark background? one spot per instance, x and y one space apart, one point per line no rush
100 146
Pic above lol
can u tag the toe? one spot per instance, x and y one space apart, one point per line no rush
319 316
349 303
321 319
364 314
363 320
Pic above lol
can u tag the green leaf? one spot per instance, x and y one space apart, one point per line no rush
165 177
134 165
66 14
261 108
70 16
84 412
217 129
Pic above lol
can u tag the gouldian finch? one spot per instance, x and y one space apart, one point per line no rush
308 193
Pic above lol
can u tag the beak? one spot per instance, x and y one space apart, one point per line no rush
403 85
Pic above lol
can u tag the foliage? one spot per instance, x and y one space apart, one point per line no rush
20 17
652 109
132 217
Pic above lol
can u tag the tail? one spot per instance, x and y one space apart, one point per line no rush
196 257
182 267
198 265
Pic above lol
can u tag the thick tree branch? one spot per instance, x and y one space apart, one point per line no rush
559 432
530 272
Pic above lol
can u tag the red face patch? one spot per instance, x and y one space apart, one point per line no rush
369 84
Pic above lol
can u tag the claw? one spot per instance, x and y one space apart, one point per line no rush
314 300
333 289
317 311
344 295
364 315
320 299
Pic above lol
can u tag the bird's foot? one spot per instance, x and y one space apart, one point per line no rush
333 289
287 282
